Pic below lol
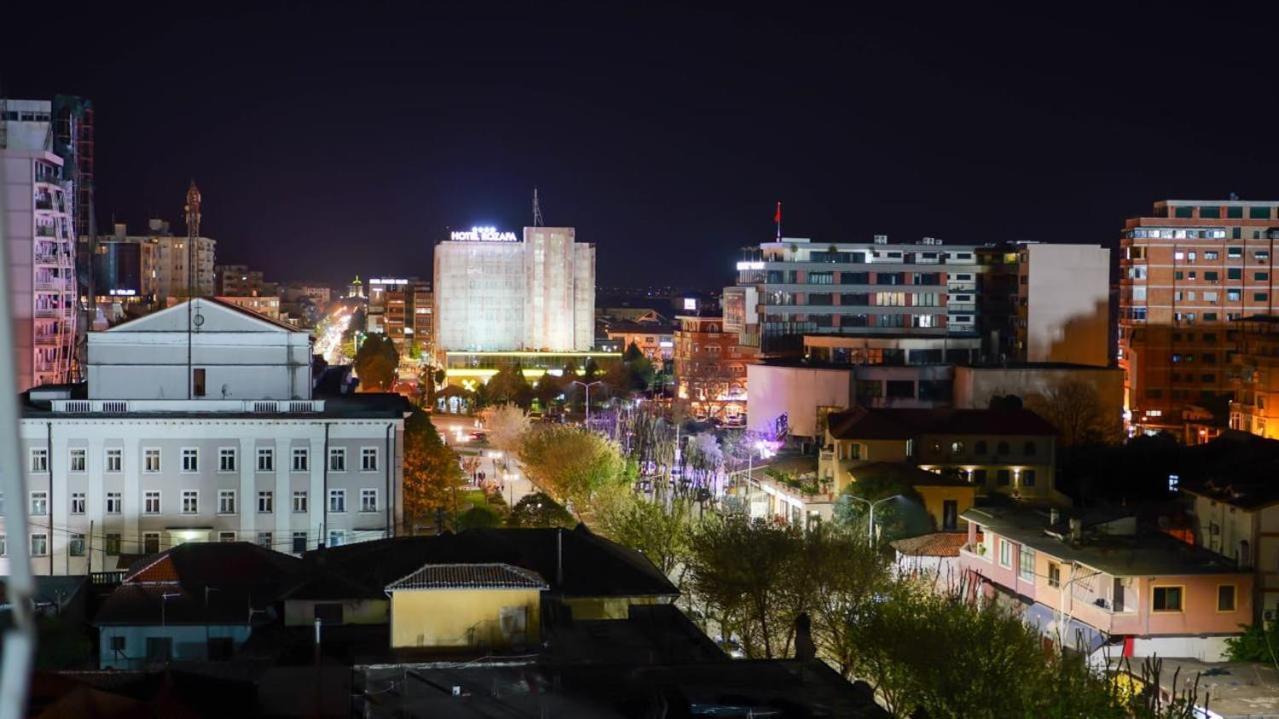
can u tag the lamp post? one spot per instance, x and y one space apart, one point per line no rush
870 520
587 386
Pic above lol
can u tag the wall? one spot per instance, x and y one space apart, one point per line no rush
797 392
974 386
479 296
1068 303
607 607
301 612
459 617
189 642
935 497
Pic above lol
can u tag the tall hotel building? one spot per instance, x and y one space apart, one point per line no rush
1188 271
807 288
499 299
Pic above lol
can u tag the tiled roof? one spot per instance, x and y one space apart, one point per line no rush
159 570
469 576
937 544
864 423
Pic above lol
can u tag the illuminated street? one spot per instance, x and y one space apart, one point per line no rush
328 340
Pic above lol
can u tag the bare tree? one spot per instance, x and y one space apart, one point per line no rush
1075 409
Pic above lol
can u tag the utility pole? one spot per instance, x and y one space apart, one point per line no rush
537 210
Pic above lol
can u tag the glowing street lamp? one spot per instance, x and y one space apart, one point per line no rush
588 386
870 523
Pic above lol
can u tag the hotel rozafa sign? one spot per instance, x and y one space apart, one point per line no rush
482 234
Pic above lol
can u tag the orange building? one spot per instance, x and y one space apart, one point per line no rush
1186 272
710 368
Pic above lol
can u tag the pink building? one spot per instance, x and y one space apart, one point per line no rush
1114 589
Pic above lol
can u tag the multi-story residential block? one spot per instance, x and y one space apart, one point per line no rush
169 260
240 281
404 310
1186 271
1103 584
710 368
39 217
656 340
807 288
266 305
198 423
1254 372
999 451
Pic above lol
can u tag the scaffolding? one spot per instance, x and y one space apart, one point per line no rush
73 141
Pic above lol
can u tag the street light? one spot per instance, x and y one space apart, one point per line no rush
588 386
870 523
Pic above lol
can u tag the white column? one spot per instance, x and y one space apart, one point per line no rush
248 491
130 534
55 523
283 538
315 498
94 504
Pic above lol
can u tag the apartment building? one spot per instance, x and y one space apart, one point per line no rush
710 368
169 258
211 434
1102 583
240 281
805 287
39 216
1254 372
1187 271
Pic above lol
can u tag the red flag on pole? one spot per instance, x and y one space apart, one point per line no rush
777 218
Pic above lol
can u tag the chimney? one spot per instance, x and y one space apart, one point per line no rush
1076 529
1054 517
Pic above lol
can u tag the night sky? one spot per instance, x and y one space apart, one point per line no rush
343 139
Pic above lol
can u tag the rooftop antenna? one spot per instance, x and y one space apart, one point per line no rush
537 210
192 209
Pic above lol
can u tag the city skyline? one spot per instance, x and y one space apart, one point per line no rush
673 129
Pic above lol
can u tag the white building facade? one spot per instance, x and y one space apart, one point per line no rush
41 236
494 292
128 468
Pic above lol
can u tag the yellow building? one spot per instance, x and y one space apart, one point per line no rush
466 606
944 496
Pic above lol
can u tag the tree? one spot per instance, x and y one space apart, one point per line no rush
569 463
480 516
510 385
431 471
1075 409
548 389
506 425
376 362
592 370
660 530
904 517
539 510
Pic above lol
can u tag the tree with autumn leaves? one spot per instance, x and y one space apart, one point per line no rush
432 474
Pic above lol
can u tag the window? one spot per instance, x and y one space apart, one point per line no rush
979 476
1261 276
117 644
1005 553
1233 295
1029 448
949 515
301 459
1210 255
1054 574
77 460
337 500
115 460
368 459
1234 253
264 539
266 459
112 547
368 500
337 459
77 502
226 536
1258 212
190 501
1234 273
4 546
980 446
266 502
151 502
337 538
39 544
1259 297
1026 564
39 461
226 460
1166 599
1028 478
299 501
1225 597
150 542
75 545
226 501
956 447
115 504
1003 477
299 542
151 460
197 381
39 504
190 459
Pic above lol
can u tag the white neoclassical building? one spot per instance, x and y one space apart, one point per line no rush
210 434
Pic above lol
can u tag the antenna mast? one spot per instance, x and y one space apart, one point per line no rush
192 209
537 210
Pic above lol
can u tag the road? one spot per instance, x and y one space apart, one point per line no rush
456 431
328 341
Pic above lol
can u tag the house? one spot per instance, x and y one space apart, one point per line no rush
944 496
466 605
358 584
196 601
999 451
1100 581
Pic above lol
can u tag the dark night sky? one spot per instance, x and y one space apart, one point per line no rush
343 139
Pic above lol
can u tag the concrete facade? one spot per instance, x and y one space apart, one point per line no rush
1065 300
